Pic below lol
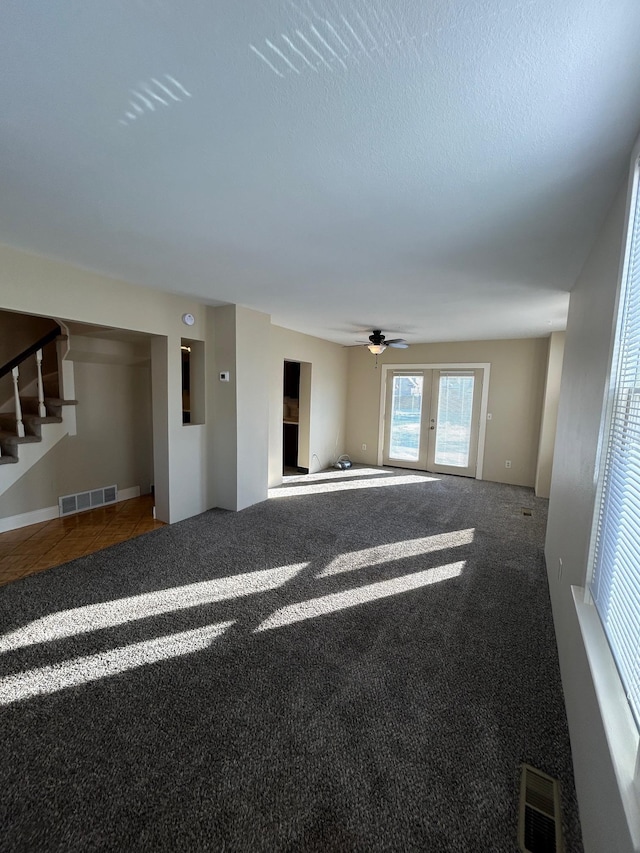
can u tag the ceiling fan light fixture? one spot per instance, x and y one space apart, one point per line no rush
377 349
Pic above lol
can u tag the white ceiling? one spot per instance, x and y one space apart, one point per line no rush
437 169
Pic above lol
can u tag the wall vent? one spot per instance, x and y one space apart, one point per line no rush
539 823
70 504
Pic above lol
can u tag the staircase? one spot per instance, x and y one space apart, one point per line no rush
23 417
10 440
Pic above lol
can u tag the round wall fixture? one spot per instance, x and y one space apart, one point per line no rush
188 319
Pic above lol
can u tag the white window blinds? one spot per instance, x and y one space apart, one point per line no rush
616 575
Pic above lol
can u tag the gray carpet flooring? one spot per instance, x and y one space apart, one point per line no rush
360 663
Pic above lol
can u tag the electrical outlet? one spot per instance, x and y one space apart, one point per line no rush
559 568
507 463
364 446
489 416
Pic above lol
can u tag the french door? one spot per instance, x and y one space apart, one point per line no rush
432 420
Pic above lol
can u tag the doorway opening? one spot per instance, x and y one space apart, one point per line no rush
296 417
290 417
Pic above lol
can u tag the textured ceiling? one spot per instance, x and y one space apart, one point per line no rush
435 169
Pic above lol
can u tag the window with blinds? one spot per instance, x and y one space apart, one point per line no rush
615 583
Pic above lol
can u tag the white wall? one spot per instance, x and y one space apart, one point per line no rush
253 334
571 506
328 367
222 408
550 402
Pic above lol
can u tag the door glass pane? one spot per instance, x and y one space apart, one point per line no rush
406 409
453 432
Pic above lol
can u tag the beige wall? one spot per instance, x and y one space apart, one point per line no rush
17 333
161 432
240 407
113 443
304 415
32 284
327 407
20 331
515 399
550 402
571 507
224 461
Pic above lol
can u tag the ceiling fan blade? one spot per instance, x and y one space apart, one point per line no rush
398 343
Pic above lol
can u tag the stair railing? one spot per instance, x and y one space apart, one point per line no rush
13 367
15 373
42 409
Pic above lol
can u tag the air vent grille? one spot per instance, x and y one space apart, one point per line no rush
539 793
83 501
540 826
97 497
70 504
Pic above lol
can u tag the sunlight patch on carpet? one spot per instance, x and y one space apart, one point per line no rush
108 614
71 673
353 560
360 595
337 474
349 485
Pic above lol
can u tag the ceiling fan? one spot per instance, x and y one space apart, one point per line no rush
378 343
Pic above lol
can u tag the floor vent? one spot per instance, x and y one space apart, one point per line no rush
525 510
70 504
539 823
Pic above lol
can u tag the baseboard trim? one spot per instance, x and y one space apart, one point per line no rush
127 494
24 519
37 516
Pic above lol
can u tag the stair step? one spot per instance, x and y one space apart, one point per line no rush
31 419
54 401
36 419
32 424
53 405
12 438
